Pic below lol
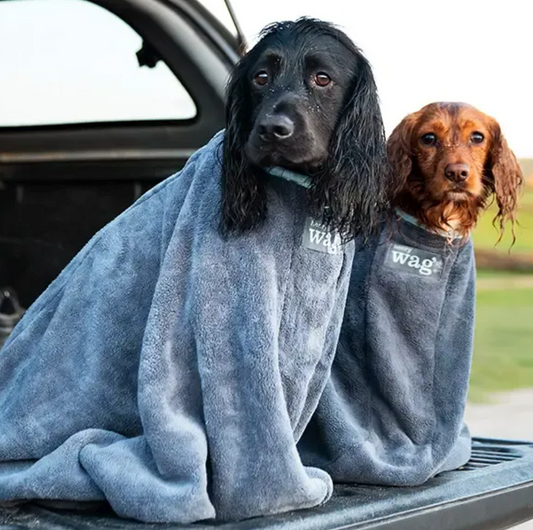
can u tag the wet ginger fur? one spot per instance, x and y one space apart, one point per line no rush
453 161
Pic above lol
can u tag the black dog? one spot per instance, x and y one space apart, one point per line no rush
186 361
305 99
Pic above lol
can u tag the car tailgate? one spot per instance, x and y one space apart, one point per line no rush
493 491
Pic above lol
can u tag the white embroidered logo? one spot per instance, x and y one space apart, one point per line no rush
414 260
316 237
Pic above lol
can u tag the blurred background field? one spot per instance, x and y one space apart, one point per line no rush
503 358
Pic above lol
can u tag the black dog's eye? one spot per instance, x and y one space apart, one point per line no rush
428 139
322 79
261 78
477 138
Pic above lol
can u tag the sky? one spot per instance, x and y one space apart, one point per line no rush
55 54
454 50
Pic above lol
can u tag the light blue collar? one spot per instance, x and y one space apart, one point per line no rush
410 219
291 176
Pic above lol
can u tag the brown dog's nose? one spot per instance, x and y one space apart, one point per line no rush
457 172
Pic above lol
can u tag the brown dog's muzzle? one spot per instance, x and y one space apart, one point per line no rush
457 173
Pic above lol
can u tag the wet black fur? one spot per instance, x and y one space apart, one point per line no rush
351 187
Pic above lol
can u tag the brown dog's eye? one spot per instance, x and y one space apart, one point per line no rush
428 139
477 138
322 79
261 78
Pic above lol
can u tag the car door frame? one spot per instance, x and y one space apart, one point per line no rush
196 47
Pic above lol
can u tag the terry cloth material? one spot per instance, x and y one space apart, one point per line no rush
170 371
392 411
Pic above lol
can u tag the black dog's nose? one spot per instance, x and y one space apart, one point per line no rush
276 126
457 172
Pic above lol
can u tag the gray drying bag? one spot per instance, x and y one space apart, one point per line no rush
170 371
392 411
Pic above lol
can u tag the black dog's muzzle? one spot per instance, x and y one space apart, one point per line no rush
275 128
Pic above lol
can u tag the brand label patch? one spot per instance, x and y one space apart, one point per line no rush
318 238
414 261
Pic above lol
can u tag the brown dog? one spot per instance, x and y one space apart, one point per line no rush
454 159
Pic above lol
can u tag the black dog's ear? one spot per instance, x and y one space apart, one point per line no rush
244 203
356 188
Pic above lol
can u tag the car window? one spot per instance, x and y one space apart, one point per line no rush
70 61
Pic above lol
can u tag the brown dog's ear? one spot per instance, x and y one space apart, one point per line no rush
506 176
399 152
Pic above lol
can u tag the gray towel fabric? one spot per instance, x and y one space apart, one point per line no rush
392 411
170 371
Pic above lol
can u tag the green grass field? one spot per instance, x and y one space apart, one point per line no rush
503 352
486 235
